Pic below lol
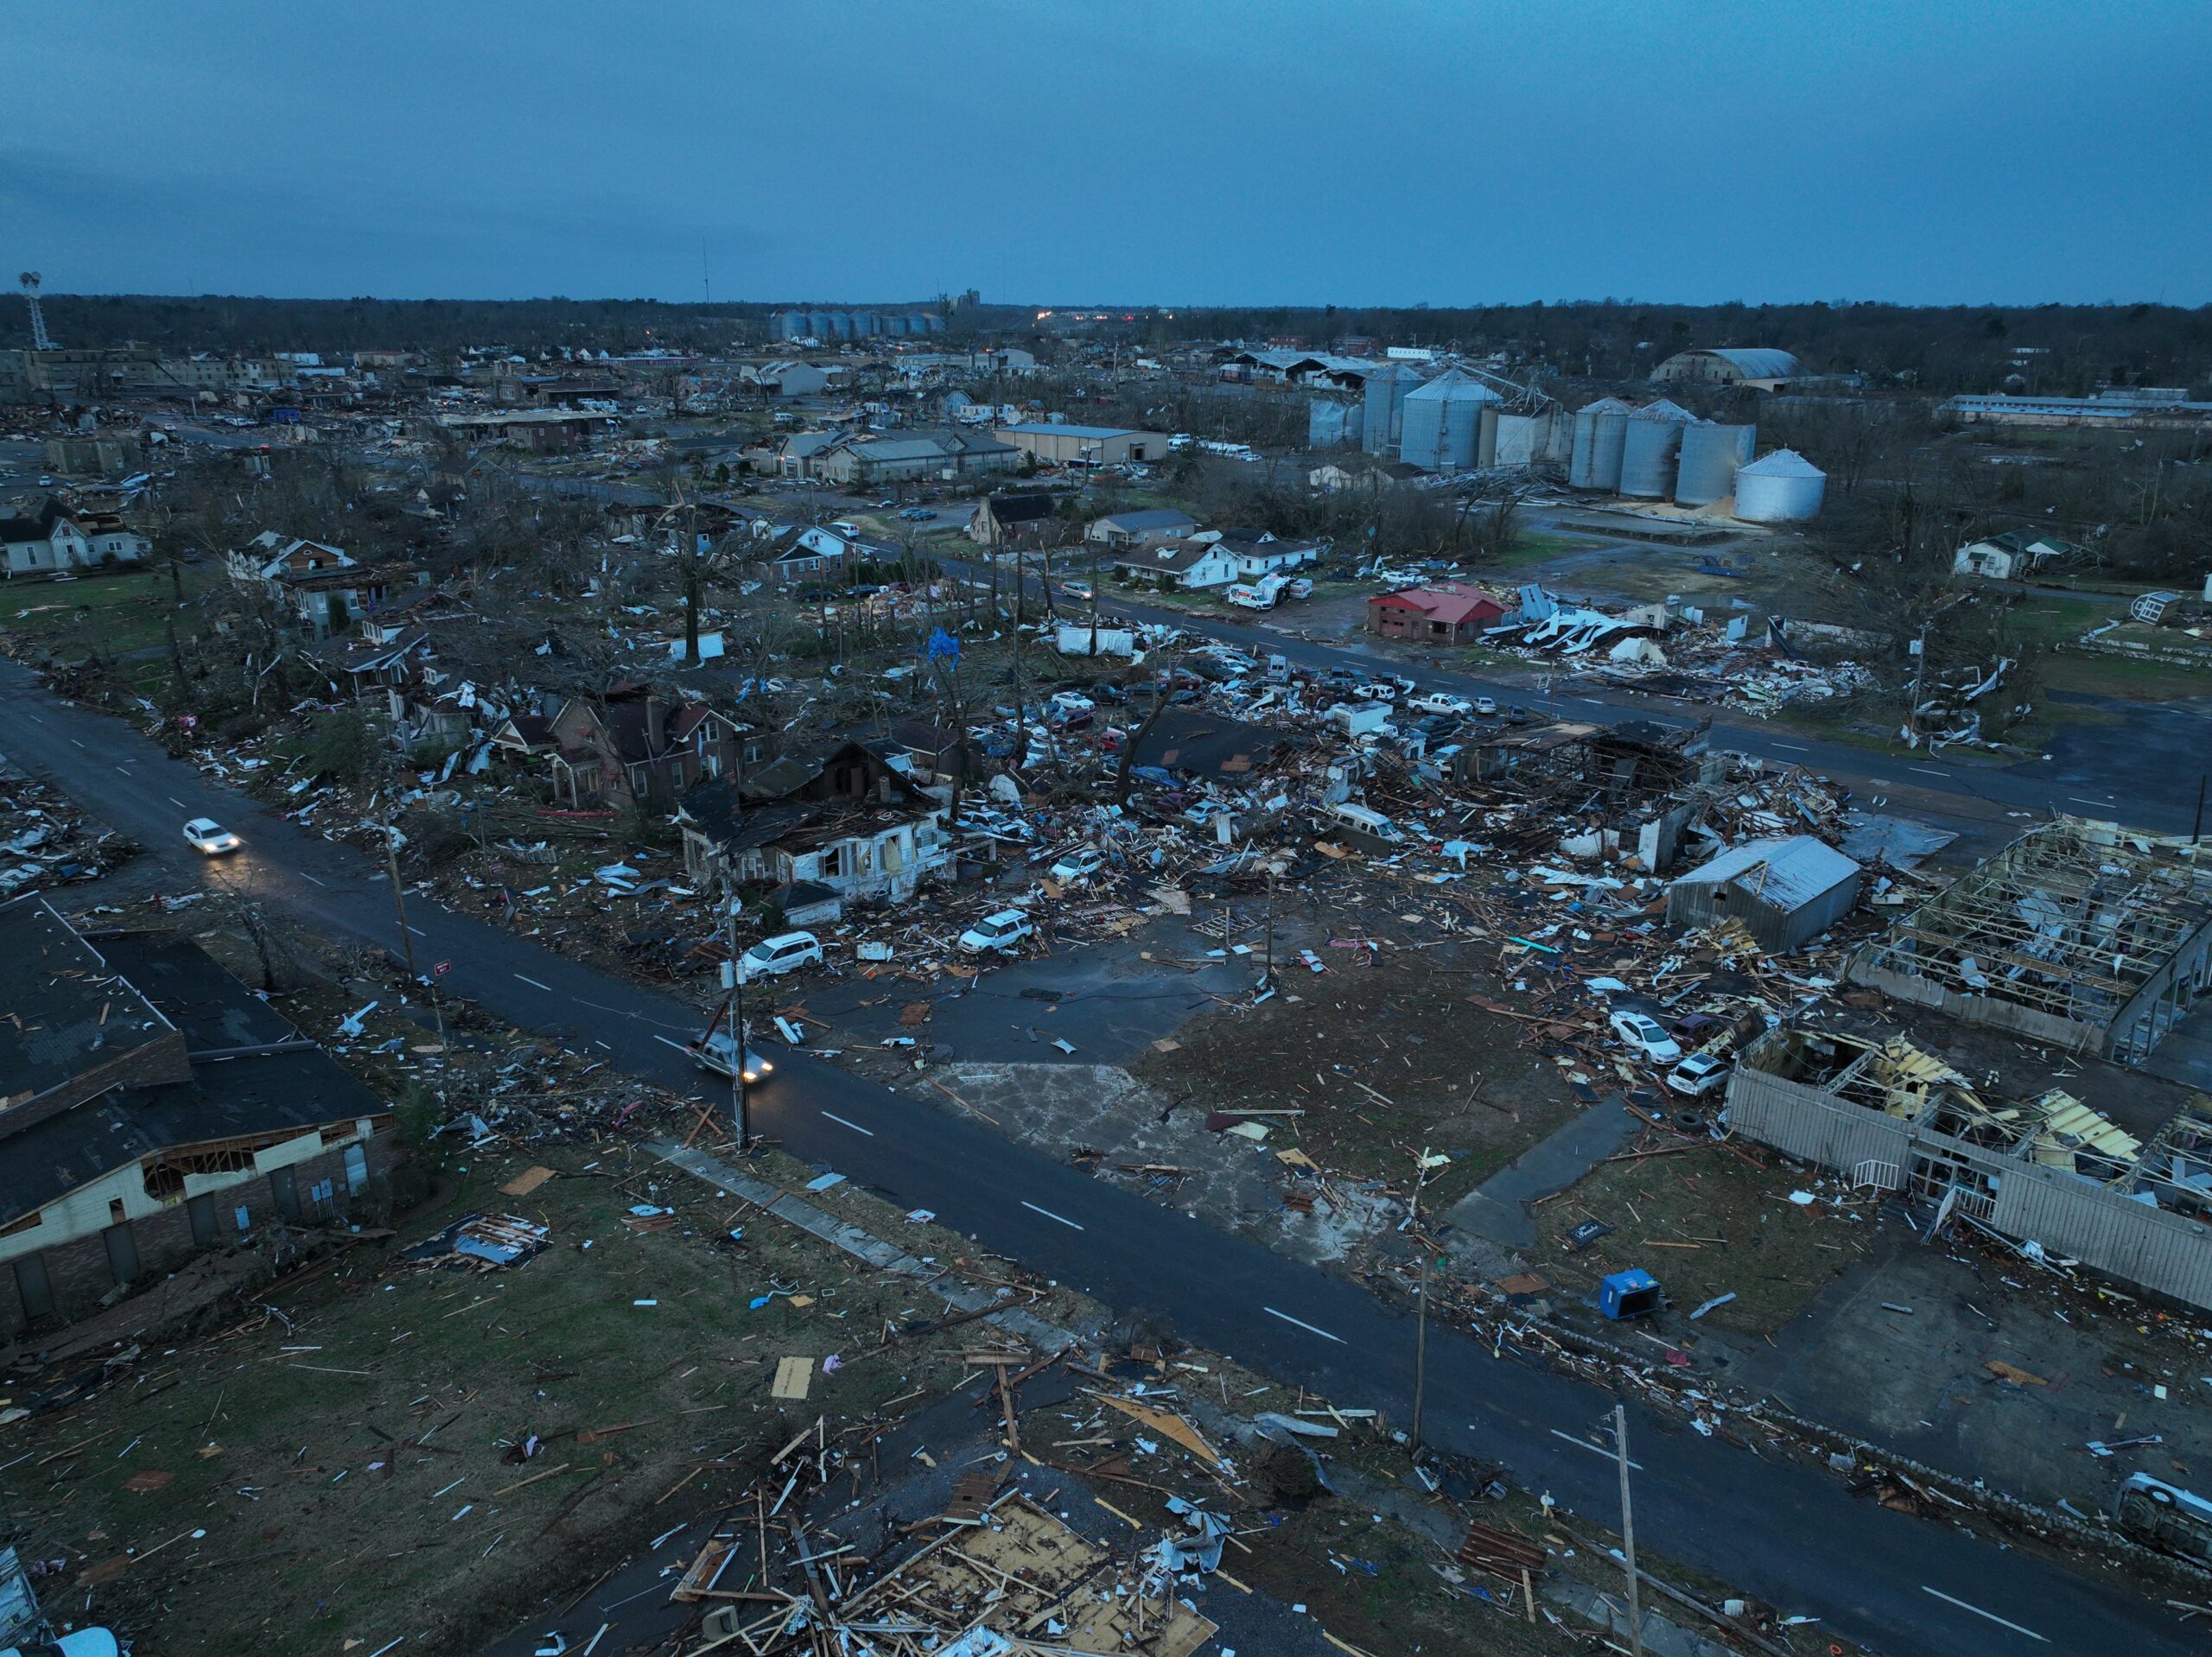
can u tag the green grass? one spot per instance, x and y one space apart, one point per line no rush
113 614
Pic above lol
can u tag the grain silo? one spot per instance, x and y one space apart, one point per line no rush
1655 437
1522 438
1384 413
1710 456
1784 487
1442 422
1332 422
1600 431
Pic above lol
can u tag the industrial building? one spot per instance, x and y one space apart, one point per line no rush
1784 891
2078 934
1651 449
2048 1174
1056 444
1442 422
854 325
1383 407
1729 365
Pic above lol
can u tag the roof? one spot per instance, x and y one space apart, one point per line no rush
1054 429
73 1014
1662 408
213 1009
1782 463
1209 744
1752 362
293 1090
19 523
1171 557
1785 874
1452 606
1454 386
1154 518
1021 509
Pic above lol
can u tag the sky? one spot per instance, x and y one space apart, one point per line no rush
1168 152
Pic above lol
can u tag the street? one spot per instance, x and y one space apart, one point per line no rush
1779 1529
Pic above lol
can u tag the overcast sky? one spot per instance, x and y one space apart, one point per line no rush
1177 152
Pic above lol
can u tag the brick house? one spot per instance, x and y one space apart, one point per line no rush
157 1110
1434 615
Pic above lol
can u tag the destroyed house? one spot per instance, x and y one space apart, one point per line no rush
157 1110
1189 742
1784 891
2049 1174
638 749
2079 933
1003 518
838 815
1634 785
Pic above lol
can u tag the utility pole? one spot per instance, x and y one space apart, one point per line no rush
2197 833
1628 1534
1268 979
1421 1352
398 897
738 1104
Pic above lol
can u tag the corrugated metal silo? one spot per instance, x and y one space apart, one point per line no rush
1331 421
1784 487
1655 437
1486 435
1522 438
1442 422
1383 423
1600 431
1710 456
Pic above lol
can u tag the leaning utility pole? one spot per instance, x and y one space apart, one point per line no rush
399 896
1628 1532
738 1104
1421 1352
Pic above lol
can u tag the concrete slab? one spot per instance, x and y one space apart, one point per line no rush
1500 1209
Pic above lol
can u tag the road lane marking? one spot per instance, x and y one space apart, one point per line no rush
1047 1213
534 984
2075 799
1929 770
1792 746
1303 1324
126 770
1595 1449
173 800
78 744
857 1128
1978 1611
304 875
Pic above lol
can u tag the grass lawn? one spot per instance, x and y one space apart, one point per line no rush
337 1468
115 614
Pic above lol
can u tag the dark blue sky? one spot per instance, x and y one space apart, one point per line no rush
1198 151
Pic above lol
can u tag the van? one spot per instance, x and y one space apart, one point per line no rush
1278 669
1349 817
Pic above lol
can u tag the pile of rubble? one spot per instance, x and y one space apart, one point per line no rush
46 840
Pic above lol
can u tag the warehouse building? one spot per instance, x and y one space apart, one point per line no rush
1759 367
1055 444
1784 891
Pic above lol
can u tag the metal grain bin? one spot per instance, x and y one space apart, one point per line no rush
1710 456
1383 418
1521 439
1784 487
1442 422
1654 439
1600 432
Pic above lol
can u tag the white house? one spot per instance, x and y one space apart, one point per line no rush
1191 564
2012 556
44 537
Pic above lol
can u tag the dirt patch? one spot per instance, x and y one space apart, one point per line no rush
1387 1058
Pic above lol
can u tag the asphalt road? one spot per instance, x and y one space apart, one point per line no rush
1786 1533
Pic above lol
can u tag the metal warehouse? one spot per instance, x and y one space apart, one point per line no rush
1784 891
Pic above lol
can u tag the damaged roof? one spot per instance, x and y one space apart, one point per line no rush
64 1009
1784 873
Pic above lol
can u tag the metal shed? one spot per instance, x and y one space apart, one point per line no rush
1783 891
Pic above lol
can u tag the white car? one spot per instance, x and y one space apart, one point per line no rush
1438 701
771 957
1071 701
1646 1038
1486 707
1698 1074
209 837
1000 931
1079 864
1078 590
713 1054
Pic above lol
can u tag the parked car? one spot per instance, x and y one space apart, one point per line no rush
1486 707
1440 701
1080 865
1105 690
1000 931
1517 714
772 957
1378 690
1698 1074
916 514
209 837
1644 1037
1071 701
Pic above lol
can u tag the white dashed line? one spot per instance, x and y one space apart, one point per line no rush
74 739
1047 1213
304 875
2075 799
126 770
547 989
180 804
420 933
842 1122
1792 746
1929 770
1595 1449
1978 1611
1303 1324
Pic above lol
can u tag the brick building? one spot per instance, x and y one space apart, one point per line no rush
156 1110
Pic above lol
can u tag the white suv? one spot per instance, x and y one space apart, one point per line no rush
771 957
1000 931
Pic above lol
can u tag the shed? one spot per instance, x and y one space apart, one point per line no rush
1784 890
